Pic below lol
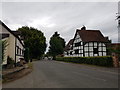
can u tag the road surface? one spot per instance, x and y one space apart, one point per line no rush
55 74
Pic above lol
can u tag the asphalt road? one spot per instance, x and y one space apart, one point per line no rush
55 74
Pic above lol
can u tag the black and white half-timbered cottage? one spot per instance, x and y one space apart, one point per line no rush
87 43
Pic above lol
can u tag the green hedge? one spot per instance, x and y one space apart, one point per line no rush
101 61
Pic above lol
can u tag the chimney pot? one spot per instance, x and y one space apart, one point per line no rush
83 28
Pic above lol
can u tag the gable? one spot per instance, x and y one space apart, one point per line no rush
6 30
69 45
3 29
77 37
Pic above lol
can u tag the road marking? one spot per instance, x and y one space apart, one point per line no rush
90 76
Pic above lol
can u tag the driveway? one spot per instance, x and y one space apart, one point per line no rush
55 74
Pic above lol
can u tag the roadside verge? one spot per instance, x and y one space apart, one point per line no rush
16 74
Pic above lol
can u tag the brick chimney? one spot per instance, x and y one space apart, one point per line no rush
83 28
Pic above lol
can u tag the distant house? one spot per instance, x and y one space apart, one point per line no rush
15 48
68 51
87 43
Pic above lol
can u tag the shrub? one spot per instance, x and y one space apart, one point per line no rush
10 62
27 54
3 45
99 60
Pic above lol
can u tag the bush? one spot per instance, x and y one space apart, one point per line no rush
10 62
100 60
3 45
27 54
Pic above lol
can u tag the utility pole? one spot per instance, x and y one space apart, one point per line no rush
119 29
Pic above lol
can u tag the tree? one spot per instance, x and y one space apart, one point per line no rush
57 45
3 45
34 40
26 54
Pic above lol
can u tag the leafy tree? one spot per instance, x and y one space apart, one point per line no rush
57 45
26 54
34 40
3 45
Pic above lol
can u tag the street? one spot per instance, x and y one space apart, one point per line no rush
55 74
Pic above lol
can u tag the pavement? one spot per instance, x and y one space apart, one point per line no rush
56 74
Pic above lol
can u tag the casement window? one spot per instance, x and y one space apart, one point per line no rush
17 50
77 51
95 50
22 52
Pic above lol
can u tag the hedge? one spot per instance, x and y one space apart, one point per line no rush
99 60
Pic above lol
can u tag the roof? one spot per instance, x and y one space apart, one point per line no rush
17 32
11 32
91 36
67 47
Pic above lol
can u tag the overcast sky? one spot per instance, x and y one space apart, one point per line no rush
64 17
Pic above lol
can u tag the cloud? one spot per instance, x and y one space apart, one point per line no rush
63 17
60 0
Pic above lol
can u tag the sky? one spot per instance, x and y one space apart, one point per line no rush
64 17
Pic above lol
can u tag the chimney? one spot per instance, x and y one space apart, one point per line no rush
83 28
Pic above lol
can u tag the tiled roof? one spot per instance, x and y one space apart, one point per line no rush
68 45
91 35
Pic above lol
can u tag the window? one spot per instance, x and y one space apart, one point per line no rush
104 48
77 51
86 54
100 48
17 50
86 48
90 48
95 50
20 51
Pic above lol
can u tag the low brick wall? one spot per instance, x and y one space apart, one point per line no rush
115 58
